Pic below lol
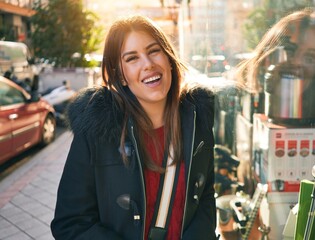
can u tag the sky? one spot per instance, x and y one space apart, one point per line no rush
103 5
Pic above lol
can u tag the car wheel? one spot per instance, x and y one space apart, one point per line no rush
49 130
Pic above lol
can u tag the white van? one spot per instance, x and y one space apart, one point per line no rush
16 62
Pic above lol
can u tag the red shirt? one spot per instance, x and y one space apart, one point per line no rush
152 180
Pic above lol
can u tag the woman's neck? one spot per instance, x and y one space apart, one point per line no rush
157 122
156 114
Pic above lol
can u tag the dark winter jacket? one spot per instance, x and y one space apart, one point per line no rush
95 178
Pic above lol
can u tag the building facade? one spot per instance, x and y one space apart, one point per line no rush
211 32
15 20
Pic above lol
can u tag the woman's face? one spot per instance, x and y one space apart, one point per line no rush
146 69
304 55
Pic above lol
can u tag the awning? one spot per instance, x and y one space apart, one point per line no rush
9 8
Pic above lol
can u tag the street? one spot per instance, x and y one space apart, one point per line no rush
28 189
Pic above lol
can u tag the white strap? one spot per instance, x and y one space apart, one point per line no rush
166 195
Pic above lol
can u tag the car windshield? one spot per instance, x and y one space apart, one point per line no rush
9 95
12 53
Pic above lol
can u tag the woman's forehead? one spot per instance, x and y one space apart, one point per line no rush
299 31
304 36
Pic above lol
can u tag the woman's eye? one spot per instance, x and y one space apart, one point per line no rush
154 50
309 59
131 58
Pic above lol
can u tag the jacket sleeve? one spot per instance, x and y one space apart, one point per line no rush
76 213
204 223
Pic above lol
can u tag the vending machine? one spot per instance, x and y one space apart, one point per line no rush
283 155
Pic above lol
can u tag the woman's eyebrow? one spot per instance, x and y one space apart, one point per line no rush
134 52
151 45
128 53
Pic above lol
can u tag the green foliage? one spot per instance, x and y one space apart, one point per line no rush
62 28
8 33
265 16
255 26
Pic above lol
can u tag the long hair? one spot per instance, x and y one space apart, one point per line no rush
128 103
248 71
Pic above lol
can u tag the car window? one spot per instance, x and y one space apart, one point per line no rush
10 95
13 53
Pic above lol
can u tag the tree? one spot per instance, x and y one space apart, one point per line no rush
264 17
257 24
62 29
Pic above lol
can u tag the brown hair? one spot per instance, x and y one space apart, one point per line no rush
248 71
112 75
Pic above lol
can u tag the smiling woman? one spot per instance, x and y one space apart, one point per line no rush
141 162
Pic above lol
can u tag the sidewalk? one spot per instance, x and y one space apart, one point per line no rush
28 195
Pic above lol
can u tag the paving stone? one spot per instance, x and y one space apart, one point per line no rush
47 218
30 206
38 231
29 190
42 183
31 223
16 219
18 236
28 198
47 236
50 202
40 211
51 175
7 206
41 195
10 210
4 223
8 231
20 199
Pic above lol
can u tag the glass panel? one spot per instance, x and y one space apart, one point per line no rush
10 95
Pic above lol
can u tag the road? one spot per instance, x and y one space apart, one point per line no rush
8 167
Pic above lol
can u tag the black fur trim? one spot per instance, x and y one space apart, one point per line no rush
94 112
204 101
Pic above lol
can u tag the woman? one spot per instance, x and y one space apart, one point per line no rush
110 184
283 70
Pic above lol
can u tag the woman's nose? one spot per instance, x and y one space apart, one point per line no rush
148 63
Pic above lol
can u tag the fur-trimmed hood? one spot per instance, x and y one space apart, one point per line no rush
95 112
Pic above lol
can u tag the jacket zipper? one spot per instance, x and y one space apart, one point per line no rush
199 148
142 179
188 176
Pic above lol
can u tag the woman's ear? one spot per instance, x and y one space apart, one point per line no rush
124 82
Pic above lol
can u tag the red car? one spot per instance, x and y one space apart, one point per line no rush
25 120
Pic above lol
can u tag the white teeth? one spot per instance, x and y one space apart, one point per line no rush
151 79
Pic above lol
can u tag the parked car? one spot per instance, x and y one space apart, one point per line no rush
16 62
25 120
